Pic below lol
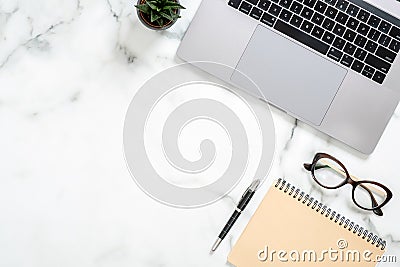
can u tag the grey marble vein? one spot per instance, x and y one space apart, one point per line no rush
130 57
5 16
292 133
113 12
50 29
2 64
75 97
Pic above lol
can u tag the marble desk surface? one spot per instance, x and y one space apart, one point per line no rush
68 71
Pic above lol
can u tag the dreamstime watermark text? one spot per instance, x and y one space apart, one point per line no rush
339 254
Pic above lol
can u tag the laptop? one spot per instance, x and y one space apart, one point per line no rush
333 64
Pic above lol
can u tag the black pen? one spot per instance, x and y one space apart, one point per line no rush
240 207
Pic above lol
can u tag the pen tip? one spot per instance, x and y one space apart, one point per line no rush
216 244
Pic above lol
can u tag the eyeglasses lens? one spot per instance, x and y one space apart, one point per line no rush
329 173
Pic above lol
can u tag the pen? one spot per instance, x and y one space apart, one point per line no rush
248 194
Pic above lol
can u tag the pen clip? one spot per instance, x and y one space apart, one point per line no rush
252 187
245 192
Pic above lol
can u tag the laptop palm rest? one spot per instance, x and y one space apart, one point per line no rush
290 77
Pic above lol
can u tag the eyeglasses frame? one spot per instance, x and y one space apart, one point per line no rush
352 180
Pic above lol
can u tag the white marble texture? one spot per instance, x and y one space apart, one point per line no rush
68 70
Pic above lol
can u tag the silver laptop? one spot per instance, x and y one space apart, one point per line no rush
333 64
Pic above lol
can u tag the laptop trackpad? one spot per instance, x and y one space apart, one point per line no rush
292 78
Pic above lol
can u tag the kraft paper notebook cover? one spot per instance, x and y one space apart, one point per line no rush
294 222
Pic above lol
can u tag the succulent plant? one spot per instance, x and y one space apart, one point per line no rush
160 12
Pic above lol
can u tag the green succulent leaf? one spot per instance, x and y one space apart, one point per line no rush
173 5
154 16
160 22
160 11
152 4
167 16
143 8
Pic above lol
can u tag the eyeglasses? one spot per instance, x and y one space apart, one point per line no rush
330 173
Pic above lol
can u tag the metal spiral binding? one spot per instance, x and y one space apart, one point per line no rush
296 193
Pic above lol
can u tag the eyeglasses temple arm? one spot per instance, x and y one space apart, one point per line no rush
373 189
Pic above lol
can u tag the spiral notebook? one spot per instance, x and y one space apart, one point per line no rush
292 228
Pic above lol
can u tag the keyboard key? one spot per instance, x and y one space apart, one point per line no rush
360 41
374 35
384 27
363 29
349 35
285 3
264 4
366 73
395 33
285 15
317 32
328 37
307 26
342 5
302 37
374 21
296 7
331 2
268 19
342 18
320 7
328 24
275 10
254 2
317 18
349 48
369 69
352 10
384 40
309 3
256 13
357 66
339 30
307 13
245 7
352 23
234 3
377 63
347 60
363 16
371 46
386 54
296 21
331 12
275 1
360 54
335 54
379 77
339 43
395 46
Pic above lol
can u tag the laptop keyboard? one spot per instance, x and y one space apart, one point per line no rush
338 29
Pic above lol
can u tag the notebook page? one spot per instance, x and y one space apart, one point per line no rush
281 222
